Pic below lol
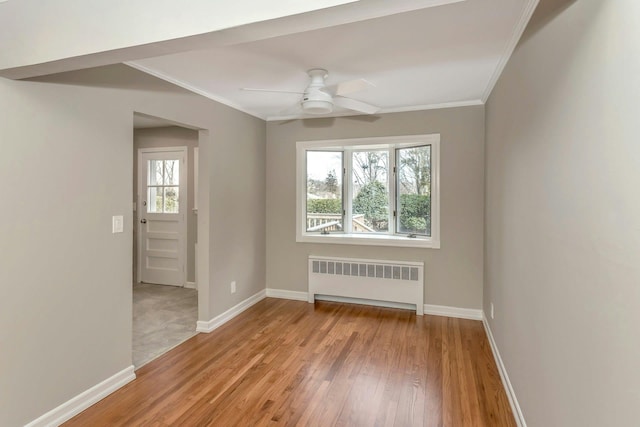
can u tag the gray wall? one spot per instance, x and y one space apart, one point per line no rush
563 215
65 311
453 274
173 136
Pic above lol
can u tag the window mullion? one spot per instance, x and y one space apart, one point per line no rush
391 175
164 173
347 185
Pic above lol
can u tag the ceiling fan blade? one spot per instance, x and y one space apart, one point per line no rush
250 89
350 86
355 105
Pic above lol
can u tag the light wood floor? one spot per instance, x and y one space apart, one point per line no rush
329 364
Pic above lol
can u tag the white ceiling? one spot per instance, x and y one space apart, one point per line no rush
434 57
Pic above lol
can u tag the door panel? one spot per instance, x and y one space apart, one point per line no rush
162 247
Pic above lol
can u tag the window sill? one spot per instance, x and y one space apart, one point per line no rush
370 240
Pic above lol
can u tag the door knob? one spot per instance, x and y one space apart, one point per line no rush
143 221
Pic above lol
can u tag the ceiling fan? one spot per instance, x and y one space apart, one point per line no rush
318 98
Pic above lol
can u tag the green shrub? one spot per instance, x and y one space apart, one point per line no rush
328 206
415 213
373 202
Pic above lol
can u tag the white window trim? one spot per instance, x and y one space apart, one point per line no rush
368 239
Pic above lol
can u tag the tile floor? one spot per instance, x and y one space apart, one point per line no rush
163 317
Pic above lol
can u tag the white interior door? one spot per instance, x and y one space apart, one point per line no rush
162 203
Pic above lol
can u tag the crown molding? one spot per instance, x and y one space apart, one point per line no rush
518 30
191 88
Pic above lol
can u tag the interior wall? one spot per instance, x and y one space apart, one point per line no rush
65 311
453 273
172 136
563 216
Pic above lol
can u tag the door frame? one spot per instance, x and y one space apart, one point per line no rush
206 147
184 189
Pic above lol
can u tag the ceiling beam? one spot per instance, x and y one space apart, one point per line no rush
41 37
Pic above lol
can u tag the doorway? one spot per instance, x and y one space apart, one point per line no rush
165 297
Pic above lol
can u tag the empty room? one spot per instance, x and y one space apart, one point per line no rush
328 212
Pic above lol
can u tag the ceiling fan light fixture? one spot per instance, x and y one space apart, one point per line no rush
317 106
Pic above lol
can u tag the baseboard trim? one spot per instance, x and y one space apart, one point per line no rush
363 301
436 310
511 394
221 319
285 294
73 407
190 285
457 312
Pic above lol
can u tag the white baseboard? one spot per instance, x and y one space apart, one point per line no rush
216 322
515 406
460 313
73 407
190 285
437 310
304 296
375 303
285 294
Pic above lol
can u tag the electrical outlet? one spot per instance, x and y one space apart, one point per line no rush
492 310
233 287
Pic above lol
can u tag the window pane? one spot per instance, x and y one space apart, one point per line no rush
171 200
154 200
324 191
414 190
155 172
370 172
171 172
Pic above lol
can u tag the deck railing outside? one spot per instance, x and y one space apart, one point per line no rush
333 222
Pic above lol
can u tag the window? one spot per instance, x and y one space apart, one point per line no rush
413 177
324 191
163 186
372 191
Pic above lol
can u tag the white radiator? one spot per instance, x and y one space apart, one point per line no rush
393 281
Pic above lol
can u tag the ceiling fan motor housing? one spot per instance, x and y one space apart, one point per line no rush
315 100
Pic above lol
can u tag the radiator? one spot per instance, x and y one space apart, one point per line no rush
390 281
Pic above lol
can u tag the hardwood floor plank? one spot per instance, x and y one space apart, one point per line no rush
288 363
434 381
